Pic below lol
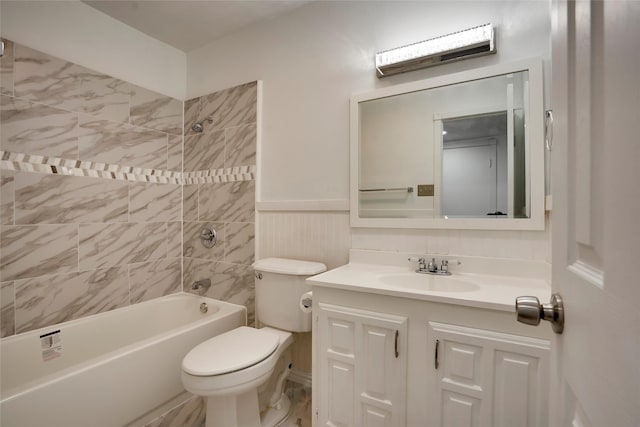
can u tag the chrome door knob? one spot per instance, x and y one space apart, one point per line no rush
530 311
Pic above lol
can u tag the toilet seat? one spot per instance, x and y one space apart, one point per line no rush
230 352
240 380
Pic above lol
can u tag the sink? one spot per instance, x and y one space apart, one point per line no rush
428 282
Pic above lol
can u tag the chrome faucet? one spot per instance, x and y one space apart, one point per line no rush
201 284
431 267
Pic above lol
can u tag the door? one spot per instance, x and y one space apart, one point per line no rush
488 378
362 357
595 375
469 178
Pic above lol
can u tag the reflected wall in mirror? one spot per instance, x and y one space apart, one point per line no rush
460 151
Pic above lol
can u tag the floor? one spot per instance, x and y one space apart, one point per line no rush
192 412
300 414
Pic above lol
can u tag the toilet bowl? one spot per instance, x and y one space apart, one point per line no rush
228 369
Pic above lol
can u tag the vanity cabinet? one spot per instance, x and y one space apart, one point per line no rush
487 378
362 363
491 370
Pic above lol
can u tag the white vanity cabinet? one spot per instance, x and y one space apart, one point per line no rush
492 371
487 378
362 360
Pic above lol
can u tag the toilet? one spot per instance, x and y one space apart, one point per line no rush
228 368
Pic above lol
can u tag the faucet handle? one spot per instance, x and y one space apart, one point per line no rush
445 264
422 264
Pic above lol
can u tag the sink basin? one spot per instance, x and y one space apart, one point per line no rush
427 282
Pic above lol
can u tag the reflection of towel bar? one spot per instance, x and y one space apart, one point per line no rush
407 189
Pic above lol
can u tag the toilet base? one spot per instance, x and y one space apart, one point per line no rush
275 415
242 411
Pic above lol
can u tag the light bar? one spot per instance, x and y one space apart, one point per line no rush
476 41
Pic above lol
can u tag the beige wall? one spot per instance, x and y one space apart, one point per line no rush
77 32
227 144
114 233
313 59
106 237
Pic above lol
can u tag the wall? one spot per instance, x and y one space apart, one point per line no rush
83 35
219 166
313 59
90 196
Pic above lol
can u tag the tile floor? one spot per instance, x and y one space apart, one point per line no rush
300 414
192 413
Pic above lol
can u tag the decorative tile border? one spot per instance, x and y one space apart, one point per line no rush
54 165
237 173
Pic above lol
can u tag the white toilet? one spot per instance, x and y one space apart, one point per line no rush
228 369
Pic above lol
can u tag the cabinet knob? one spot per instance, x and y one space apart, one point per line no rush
530 311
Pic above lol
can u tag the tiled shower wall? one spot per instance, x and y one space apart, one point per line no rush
90 193
228 143
96 209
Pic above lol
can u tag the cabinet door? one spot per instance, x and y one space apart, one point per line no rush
361 357
486 378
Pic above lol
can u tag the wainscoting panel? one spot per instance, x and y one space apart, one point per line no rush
311 236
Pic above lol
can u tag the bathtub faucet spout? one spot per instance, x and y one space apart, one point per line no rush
201 284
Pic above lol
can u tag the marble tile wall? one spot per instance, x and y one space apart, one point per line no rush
227 142
86 223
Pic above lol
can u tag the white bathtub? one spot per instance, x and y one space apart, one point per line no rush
114 367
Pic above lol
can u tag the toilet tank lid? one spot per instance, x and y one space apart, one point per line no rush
289 266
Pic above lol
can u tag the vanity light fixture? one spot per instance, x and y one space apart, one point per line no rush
470 43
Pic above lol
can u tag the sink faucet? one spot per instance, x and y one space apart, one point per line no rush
431 267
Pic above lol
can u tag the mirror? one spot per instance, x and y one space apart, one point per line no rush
457 151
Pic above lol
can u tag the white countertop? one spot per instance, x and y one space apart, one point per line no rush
494 292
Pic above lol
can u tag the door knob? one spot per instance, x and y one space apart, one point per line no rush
530 311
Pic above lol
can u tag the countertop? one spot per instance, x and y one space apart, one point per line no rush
493 292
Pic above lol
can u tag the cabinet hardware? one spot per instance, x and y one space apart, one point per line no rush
548 129
396 345
437 363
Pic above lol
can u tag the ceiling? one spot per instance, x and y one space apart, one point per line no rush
187 24
480 126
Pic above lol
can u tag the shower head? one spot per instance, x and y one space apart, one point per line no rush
198 126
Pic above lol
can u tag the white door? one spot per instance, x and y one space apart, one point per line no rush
469 179
362 367
487 378
595 375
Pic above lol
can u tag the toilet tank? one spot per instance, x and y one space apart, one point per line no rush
280 283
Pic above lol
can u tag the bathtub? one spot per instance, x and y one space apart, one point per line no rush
109 369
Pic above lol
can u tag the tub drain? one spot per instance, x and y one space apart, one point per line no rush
204 307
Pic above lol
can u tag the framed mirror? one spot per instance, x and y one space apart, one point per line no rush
462 151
